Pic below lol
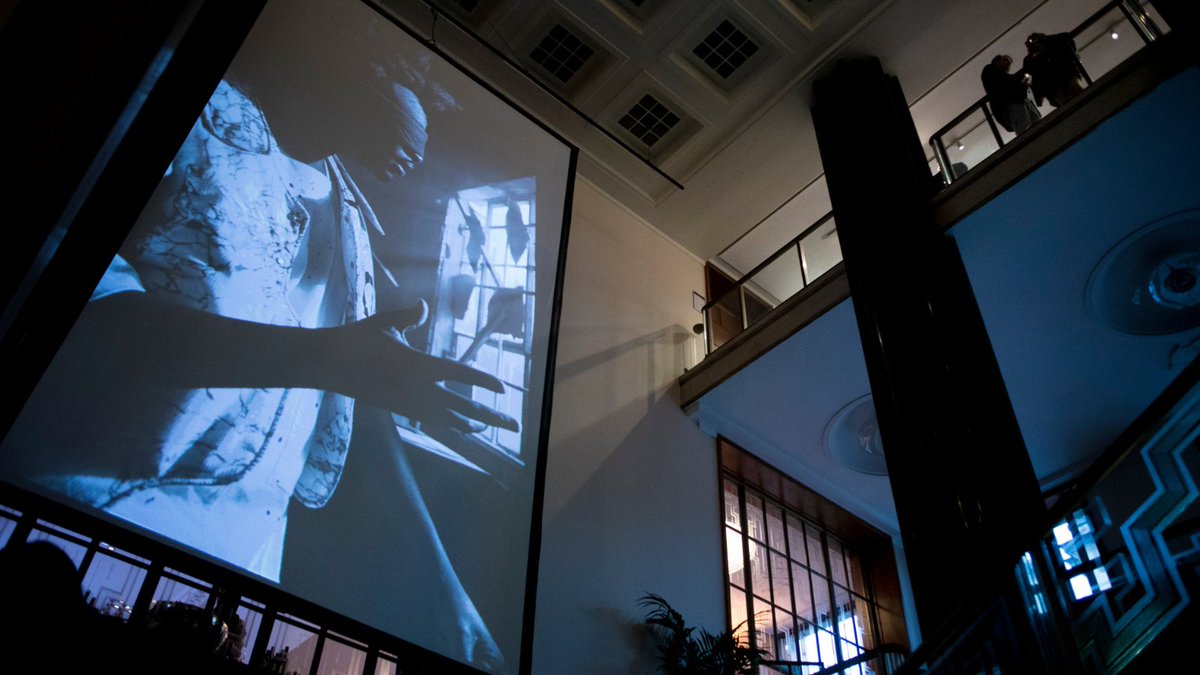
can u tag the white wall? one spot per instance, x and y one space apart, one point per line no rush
631 486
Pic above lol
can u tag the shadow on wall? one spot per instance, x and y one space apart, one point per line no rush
645 517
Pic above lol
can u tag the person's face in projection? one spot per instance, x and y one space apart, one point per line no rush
392 143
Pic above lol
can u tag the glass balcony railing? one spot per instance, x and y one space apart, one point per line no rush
789 270
1103 41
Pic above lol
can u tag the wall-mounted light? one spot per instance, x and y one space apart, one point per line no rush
1114 35
960 145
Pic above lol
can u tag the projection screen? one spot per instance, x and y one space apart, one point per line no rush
320 357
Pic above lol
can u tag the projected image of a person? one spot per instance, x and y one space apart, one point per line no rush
233 350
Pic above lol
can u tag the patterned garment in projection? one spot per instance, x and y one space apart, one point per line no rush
239 229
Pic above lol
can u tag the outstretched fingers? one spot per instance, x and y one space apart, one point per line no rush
462 407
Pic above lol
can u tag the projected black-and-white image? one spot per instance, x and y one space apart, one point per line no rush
320 354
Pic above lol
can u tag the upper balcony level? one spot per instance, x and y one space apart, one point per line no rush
1036 219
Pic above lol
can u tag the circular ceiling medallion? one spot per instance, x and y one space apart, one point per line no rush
852 436
1149 283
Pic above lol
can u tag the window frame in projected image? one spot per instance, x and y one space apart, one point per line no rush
361 325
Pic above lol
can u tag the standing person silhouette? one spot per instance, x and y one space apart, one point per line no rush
1008 95
1053 65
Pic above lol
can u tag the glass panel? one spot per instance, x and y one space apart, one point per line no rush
290 648
74 551
795 533
737 613
785 636
244 632
171 590
764 625
7 525
385 666
969 142
779 578
754 517
862 622
849 651
837 562
820 251
827 643
857 583
341 659
777 281
733 558
816 556
775 528
808 649
733 517
188 578
821 602
111 585
725 318
802 593
760 581
70 534
1106 43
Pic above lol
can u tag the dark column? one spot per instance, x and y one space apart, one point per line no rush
966 495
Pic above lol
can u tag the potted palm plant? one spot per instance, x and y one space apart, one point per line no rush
690 650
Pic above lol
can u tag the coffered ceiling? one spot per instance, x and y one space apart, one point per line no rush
714 93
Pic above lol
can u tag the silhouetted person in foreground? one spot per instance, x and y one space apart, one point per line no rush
1008 95
1053 64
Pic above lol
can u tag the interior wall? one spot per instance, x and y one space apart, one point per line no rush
632 501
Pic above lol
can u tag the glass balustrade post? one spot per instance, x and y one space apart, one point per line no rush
939 151
800 259
987 115
741 290
1141 22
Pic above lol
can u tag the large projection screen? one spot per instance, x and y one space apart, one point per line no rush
320 357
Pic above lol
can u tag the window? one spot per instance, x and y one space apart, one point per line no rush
486 282
797 591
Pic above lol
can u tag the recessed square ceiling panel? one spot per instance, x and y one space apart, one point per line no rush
561 53
649 120
725 49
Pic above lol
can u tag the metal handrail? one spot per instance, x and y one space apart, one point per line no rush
1181 392
773 257
739 286
1143 24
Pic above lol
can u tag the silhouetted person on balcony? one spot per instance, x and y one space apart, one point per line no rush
1008 95
1054 66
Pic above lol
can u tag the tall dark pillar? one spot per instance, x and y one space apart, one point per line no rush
966 495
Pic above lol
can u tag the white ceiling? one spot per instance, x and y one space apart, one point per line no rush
750 146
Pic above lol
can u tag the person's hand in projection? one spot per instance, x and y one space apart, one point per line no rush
375 363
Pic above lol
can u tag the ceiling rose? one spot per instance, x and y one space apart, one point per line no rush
1149 283
852 436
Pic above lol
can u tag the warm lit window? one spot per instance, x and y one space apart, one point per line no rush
798 591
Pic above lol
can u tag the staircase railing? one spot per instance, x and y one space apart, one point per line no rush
974 135
1117 564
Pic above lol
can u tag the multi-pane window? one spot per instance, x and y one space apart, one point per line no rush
485 307
794 589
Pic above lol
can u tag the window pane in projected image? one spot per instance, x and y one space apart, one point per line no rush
335 305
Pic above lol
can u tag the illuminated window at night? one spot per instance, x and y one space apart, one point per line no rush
795 589
1075 544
